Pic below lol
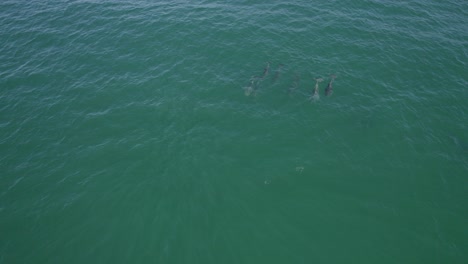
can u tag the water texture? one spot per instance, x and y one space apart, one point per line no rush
126 135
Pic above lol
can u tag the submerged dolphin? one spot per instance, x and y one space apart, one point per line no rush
294 85
315 95
251 88
278 72
329 89
266 70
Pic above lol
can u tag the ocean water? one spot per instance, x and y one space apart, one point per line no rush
126 135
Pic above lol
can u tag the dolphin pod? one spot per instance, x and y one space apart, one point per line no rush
314 96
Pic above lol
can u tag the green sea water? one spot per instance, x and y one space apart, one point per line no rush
126 135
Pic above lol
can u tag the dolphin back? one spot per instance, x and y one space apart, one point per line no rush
329 89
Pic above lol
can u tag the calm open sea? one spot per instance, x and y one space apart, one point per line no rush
154 131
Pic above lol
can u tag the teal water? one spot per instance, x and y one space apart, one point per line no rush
126 135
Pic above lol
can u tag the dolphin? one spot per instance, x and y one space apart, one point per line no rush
315 95
278 72
251 88
266 70
329 89
294 85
